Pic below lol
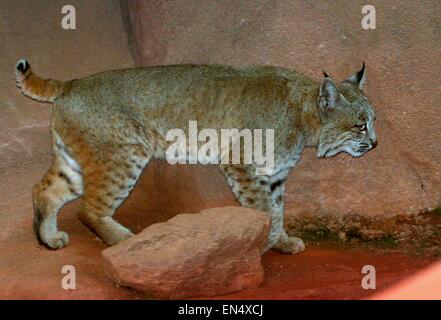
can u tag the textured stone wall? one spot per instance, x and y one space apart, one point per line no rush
403 175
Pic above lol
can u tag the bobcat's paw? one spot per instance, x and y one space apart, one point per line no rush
290 245
59 240
122 235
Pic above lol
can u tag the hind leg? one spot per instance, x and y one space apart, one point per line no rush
106 186
62 183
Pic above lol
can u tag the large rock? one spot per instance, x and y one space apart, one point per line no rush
214 252
403 175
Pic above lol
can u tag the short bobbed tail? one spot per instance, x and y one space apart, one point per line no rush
32 86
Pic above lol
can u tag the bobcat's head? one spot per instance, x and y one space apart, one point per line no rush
347 116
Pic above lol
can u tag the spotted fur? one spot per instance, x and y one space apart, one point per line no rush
106 128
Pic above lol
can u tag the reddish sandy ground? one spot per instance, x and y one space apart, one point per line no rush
324 272
33 272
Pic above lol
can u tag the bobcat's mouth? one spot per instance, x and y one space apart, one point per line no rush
361 149
355 151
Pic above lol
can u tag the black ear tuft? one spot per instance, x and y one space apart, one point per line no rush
360 73
358 79
23 66
325 74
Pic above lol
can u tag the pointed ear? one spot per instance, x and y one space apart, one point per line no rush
359 78
329 94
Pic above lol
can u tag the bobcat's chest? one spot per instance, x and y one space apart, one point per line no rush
285 163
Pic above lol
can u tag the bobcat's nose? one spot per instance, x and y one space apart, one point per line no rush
374 144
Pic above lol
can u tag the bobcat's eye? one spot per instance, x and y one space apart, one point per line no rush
362 127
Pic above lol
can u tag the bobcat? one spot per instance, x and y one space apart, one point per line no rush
106 128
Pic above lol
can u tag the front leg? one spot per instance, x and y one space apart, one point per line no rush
284 243
266 194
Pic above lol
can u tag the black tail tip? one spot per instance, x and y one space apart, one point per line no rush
22 66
